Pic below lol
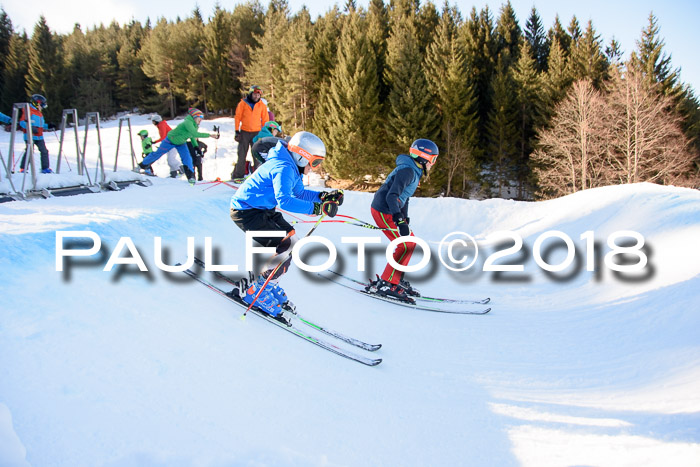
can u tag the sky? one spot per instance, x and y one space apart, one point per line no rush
623 20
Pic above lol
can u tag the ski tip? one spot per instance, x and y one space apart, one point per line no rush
375 362
375 347
486 311
486 300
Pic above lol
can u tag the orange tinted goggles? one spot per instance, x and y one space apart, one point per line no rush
315 161
428 157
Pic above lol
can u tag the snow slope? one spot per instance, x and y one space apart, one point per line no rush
129 368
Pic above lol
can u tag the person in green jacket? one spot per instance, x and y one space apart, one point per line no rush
146 143
177 138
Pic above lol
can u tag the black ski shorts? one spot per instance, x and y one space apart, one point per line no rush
264 219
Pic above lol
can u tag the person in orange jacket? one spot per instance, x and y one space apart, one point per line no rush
251 115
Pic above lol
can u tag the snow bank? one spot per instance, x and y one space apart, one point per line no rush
130 368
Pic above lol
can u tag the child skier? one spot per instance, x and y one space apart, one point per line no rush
146 143
279 182
36 120
177 138
390 212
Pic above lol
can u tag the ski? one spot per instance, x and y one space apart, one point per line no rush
422 299
414 306
292 329
318 327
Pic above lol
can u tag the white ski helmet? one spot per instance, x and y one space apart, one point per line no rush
307 148
156 118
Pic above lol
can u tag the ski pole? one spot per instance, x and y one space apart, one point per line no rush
272 274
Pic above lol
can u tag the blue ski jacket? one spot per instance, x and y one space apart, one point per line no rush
392 197
276 183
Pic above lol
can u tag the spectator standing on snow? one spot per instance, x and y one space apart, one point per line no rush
187 130
251 115
390 213
36 120
163 130
278 182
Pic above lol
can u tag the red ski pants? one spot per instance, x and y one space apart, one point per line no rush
402 253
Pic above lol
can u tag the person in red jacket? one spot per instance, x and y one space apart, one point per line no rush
163 129
251 115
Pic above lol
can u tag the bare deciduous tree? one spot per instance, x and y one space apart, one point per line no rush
570 152
629 134
647 142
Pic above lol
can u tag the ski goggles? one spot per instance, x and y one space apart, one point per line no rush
256 88
431 158
315 161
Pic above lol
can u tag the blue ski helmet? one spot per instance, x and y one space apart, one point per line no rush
424 150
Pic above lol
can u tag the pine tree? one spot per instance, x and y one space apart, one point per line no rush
159 63
558 34
222 83
378 33
411 113
45 69
6 33
324 57
352 109
479 43
574 30
614 53
133 87
16 67
247 22
537 40
456 103
295 95
508 35
558 77
267 62
530 103
427 21
652 61
587 59
502 128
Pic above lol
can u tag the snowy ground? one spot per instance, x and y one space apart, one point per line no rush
128 368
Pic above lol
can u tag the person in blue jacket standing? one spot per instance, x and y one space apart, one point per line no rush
390 213
38 124
279 183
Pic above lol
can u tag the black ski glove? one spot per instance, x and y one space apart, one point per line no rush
336 195
51 127
402 223
329 208
237 138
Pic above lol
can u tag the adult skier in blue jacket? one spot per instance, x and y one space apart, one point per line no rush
279 183
390 212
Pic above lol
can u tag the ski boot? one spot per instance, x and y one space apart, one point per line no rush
174 173
387 289
46 171
190 175
266 302
281 297
409 290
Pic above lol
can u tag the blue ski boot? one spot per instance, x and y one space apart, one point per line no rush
266 301
281 297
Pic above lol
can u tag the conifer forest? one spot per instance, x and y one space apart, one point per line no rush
518 108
